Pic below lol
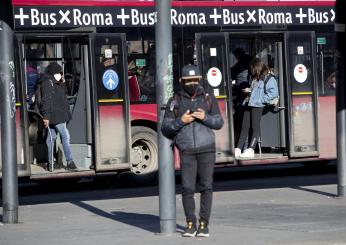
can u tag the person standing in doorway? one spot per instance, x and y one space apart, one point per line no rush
56 113
254 104
190 117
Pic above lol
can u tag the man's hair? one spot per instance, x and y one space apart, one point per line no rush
239 52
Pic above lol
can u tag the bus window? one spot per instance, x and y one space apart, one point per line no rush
326 63
141 71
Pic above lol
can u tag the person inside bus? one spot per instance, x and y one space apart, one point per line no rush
240 81
330 84
134 73
32 77
254 103
190 117
56 113
240 73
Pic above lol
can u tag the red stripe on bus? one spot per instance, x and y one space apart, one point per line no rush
174 3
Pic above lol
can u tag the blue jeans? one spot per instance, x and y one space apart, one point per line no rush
65 140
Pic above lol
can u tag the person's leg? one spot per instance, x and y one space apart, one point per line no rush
65 140
51 137
244 128
205 172
256 115
188 177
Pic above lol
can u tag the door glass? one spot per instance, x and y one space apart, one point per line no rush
272 127
212 57
112 102
303 94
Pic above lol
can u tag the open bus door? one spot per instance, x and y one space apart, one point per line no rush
110 101
302 104
212 50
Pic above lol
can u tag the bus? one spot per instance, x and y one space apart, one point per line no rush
114 122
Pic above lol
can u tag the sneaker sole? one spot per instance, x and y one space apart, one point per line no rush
202 235
189 234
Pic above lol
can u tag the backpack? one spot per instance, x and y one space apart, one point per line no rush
274 102
175 103
37 97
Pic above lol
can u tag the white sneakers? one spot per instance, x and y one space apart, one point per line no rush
248 153
237 152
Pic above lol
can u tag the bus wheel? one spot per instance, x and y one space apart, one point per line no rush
144 151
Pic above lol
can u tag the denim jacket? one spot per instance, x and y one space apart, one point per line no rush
257 97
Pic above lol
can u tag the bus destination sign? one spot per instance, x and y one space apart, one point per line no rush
71 17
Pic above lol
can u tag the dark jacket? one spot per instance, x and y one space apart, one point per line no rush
198 136
54 104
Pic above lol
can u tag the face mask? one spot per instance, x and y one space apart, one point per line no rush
57 76
191 88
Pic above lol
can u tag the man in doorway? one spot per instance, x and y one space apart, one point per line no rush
56 113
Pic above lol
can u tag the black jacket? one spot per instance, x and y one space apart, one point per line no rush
54 104
198 136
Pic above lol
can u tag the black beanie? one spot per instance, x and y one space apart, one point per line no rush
54 68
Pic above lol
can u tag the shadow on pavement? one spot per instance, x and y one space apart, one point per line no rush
146 222
314 191
226 179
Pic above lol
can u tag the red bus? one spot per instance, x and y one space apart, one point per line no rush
114 130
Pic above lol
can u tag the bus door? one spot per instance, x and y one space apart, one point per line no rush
302 94
273 124
212 50
244 47
36 52
110 101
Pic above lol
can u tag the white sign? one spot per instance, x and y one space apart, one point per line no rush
212 51
58 16
108 53
214 76
216 92
300 50
300 73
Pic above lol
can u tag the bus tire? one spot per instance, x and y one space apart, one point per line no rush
144 151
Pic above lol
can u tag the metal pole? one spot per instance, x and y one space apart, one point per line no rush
164 90
340 98
8 120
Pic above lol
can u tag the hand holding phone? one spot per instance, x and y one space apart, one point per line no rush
187 117
247 90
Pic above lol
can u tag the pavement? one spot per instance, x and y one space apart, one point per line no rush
246 211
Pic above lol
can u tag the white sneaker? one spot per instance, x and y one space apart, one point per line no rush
237 152
248 153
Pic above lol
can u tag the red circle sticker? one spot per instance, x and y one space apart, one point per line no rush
300 73
214 76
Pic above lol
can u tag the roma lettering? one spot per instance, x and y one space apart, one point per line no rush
274 18
93 19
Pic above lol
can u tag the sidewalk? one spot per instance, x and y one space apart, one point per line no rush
286 215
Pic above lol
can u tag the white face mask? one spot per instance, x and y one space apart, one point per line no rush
57 76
